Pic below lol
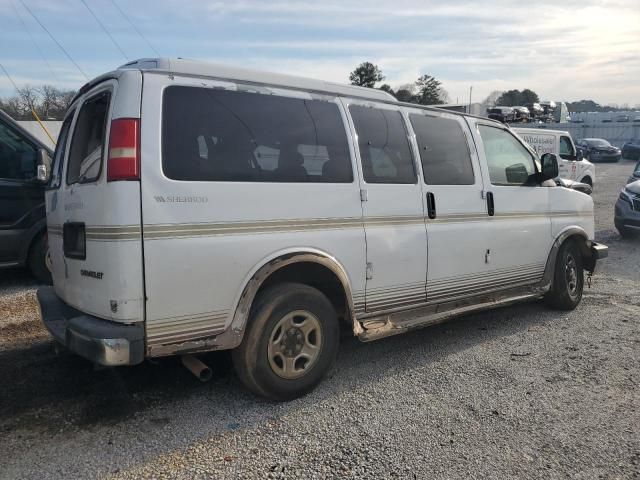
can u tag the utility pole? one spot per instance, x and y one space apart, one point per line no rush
470 92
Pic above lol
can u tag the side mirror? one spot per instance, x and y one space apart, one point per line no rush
579 154
549 167
517 174
43 174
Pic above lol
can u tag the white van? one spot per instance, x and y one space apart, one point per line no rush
561 144
196 207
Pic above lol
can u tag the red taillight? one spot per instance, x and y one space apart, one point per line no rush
124 150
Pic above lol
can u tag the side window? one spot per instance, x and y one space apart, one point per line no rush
509 162
18 157
444 150
58 155
225 135
384 146
87 142
566 148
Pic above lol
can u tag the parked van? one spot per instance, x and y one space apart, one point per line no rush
23 227
571 165
198 207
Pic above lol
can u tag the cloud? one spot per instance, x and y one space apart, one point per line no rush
563 50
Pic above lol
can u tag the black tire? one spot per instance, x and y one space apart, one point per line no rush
37 260
251 359
588 181
568 278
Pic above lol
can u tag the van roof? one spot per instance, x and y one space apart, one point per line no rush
212 70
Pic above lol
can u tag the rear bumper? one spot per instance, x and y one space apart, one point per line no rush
599 251
101 341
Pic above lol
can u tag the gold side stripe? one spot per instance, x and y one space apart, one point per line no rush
160 231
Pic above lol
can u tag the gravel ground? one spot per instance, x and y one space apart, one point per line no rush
521 392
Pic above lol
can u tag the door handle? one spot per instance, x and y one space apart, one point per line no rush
431 205
490 205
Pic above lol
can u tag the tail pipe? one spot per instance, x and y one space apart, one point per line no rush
195 366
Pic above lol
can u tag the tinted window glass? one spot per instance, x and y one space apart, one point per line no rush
58 155
509 162
384 146
443 150
87 143
18 157
224 135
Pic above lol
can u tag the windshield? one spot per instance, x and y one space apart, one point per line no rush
597 142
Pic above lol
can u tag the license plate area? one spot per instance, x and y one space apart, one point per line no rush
74 240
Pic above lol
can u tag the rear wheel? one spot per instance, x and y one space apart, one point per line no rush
588 181
568 279
290 343
38 261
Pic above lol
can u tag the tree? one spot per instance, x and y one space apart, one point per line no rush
28 98
49 103
528 96
387 88
492 98
514 98
430 91
366 75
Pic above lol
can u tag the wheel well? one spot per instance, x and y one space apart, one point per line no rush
32 243
317 276
581 242
587 179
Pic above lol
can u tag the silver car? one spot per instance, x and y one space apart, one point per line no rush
627 211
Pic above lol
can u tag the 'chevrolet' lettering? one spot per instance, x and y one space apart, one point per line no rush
91 273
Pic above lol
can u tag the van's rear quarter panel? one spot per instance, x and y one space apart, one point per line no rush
203 240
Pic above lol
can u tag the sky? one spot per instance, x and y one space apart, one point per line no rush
565 50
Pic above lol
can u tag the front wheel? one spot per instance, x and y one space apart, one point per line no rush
290 343
568 278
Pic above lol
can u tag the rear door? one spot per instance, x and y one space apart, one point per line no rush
392 207
94 224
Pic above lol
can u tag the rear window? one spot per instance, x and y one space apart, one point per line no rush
87 142
225 135
443 150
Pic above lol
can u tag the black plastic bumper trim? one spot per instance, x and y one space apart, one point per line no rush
101 341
